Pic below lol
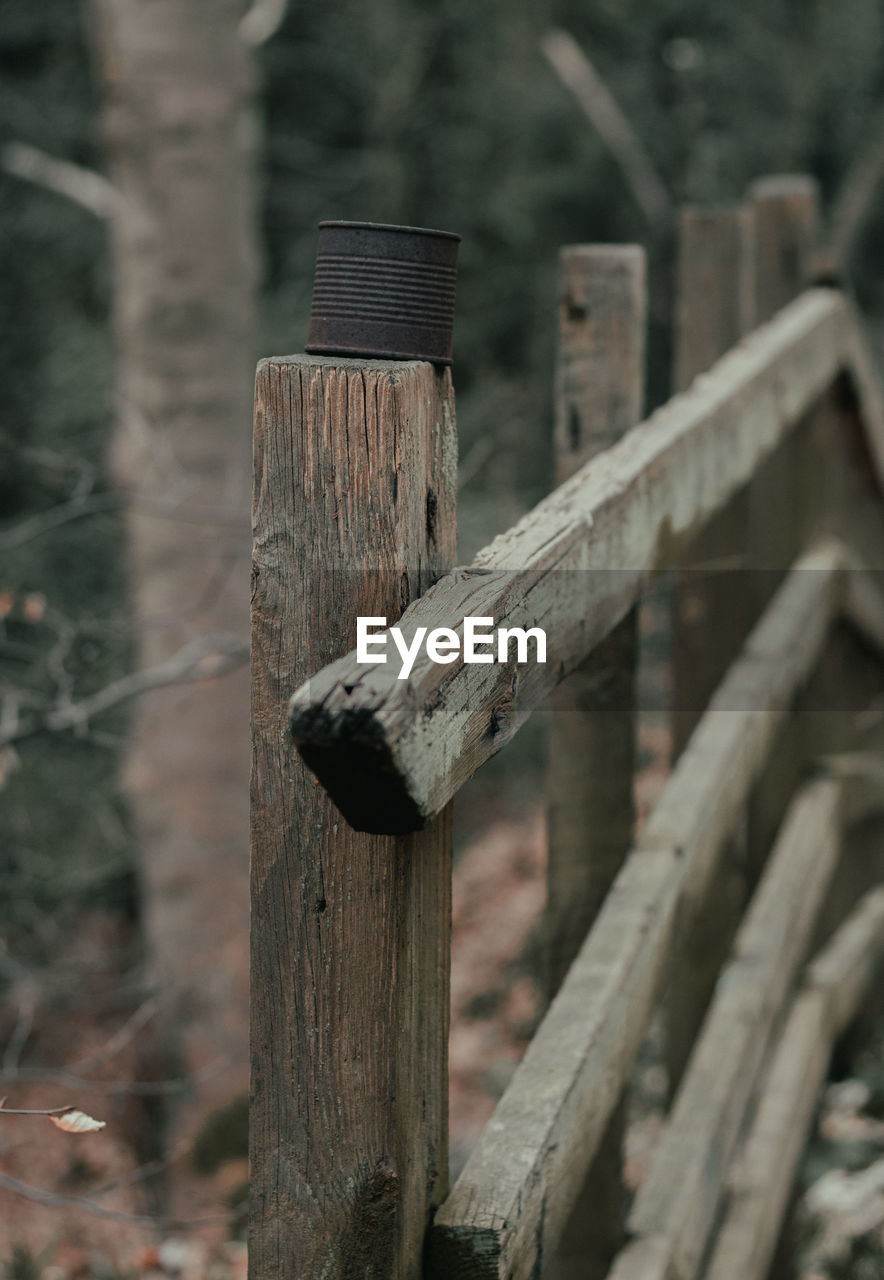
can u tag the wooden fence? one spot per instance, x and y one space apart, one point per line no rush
760 481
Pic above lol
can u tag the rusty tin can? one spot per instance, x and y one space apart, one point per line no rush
383 291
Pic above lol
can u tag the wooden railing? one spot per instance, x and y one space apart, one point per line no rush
762 479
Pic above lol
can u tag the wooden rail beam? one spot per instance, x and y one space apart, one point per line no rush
680 1196
760 1182
392 752
526 1171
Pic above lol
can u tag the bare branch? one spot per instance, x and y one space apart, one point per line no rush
206 658
33 1111
45 521
129 1030
855 201
53 1199
577 73
134 1088
83 186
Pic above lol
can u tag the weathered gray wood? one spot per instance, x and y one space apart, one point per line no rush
786 215
680 1196
760 1183
715 299
712 613
526 1171
393 752
846 967
354 514
715 310
785 212
591 744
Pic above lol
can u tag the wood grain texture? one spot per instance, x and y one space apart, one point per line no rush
355 467
761 1180
528 1167
681 1194
573 565
591 743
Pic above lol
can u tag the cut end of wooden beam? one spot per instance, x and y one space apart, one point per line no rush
356 767
471 1254
355 777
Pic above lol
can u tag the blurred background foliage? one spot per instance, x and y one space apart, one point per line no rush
441 114
444 115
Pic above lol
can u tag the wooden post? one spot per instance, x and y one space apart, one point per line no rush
599 394
715 308
354 514
786 214
712 615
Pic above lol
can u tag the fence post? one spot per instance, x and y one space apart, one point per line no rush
786 214
354 514
598 397
714 310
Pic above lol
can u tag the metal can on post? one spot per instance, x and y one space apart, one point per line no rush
384 291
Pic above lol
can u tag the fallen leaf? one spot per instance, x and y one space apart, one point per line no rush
77 1122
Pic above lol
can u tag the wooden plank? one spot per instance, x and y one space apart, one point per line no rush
591 741
354 513
712 604
847 965
760 1184
512 1199
526 1171
705 793
680 1196
790 1091
392 752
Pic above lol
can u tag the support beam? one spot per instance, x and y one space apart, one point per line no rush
762 1178
529 1165
681 1194
393 752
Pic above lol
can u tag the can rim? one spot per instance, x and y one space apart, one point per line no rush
389 226
373 353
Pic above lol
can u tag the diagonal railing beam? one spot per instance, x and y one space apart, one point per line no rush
392 752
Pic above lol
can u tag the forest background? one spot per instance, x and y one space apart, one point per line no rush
163 167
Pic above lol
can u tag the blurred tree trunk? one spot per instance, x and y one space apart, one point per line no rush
180 132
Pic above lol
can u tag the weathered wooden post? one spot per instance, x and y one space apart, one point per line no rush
714 310
598 397
354 514
786 215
